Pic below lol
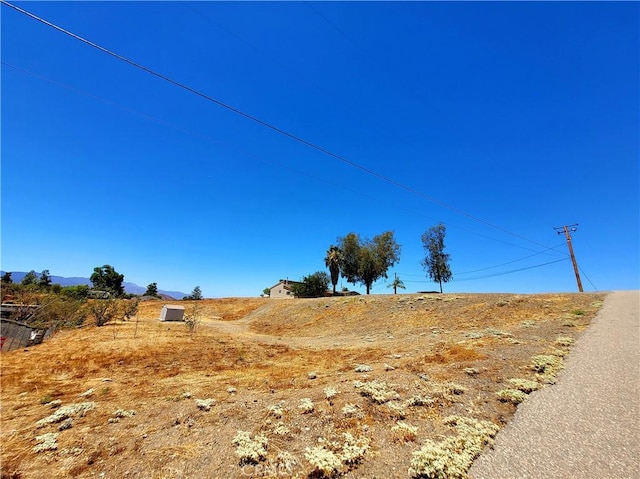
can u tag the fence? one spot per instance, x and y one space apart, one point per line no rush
14 335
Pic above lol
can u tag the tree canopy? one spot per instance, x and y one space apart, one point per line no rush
106 278
30 278
312 286
195 294
152 290
6 278
366 261
436 261
45 279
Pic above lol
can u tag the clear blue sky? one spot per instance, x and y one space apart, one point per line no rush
522 115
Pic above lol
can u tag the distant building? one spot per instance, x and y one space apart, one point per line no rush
171 312
283 290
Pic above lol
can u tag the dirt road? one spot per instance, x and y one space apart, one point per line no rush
587 425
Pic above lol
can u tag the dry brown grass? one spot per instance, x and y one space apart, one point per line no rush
265 350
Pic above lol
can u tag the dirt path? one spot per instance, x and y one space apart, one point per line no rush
587 425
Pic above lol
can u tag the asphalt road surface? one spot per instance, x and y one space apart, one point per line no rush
588 424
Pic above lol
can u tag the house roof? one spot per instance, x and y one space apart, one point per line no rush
286 282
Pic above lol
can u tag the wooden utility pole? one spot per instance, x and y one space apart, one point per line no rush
565 230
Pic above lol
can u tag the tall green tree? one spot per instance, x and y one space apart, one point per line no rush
436 261
312 286
45 279
196 293
366 261
6 278
106 278
30 278
333 260
152 290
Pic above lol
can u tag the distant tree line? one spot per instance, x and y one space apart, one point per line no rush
365 261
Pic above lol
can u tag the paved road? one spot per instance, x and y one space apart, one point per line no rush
588 424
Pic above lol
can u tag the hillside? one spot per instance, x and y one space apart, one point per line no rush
288 373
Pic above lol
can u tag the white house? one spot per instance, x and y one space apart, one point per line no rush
282 290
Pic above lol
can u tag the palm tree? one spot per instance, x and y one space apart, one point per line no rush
397 283
333 261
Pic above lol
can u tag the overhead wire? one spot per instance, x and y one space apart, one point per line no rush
219 143
496 274
270 126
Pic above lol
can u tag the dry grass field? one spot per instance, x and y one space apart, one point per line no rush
348 387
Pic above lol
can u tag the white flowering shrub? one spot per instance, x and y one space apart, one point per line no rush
306 405
323 460
564 341
514 396
331 457
545 363
78 409
330 392
205 404
121 413
350 410
46 442
547 367
363 368
525 385
379 391
396 409
277 410
280 429
452 457
250 451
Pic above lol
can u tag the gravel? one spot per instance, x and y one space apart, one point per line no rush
588 424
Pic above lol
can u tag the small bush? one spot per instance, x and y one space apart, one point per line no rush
306 405
350 410
451 458
380 392
332 458
281 430
205 404
547 367
525 385
404 432
514 396
46 442
250 451
564 341
330 393
396 409
276 410
65 412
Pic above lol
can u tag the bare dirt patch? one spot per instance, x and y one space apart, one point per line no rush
281 370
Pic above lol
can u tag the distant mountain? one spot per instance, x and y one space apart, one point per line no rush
130 288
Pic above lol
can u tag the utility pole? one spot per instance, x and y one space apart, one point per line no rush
566 230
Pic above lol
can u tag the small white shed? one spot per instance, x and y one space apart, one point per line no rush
172 313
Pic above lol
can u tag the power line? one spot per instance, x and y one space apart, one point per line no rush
271 127
508 262
497 274
494 266
235 148
588 279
